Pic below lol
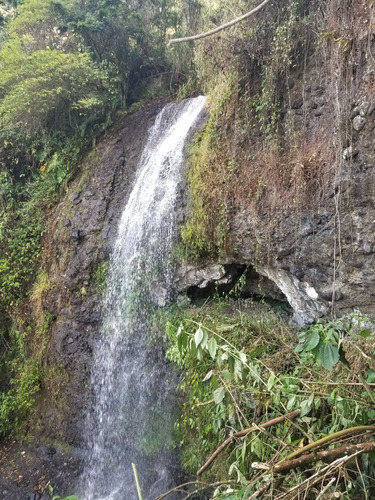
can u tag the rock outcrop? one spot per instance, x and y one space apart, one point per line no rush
76 249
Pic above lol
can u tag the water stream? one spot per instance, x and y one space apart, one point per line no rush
133 388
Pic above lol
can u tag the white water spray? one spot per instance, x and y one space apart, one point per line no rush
133 388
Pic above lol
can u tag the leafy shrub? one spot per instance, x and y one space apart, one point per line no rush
240 367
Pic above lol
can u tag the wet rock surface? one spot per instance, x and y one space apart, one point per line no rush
31 472
79 240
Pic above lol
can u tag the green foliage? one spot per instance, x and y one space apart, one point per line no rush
23 384
58 497
74 64
241 367
323 341
218 352
57 89
100 276
209 179
17 260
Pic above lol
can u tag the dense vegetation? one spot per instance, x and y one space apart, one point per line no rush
244 366
66 70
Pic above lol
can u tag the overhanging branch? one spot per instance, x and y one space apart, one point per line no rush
219 28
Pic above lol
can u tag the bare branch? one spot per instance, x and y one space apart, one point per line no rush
244 432
219 28
331 454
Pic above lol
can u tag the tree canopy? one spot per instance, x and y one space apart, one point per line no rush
69 65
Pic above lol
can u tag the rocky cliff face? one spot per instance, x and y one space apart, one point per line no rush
318 246
300 223
75 253
302 214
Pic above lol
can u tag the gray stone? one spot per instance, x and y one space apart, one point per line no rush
328 293
349 153
75 235
74 196
359 122
367 248
189 275
303 297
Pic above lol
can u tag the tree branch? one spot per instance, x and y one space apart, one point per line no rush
324 455
244 432
219 28
327 439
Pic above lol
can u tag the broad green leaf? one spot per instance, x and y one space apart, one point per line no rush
212 347
328 355
199 353
299 348
291 402
204 340
193 348
370 376
227 375
257 351
365 333
219 358
219 395
182 339
312 341
311 399
305 407
198 337
238 368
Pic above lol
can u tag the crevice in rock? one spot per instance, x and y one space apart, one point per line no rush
237 280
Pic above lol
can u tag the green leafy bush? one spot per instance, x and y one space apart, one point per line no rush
240 366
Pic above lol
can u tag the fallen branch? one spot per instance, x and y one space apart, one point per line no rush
327 439
324 455
219 28
260 491
315 478
244 432
191 483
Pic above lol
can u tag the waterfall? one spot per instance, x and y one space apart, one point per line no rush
132 415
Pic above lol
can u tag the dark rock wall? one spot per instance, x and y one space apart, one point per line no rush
79 239
316 249
318 243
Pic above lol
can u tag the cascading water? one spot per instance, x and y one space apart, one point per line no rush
133 389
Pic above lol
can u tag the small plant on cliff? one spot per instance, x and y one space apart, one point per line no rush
100 276
58 497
